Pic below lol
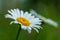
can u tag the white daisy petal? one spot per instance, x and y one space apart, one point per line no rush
28 16
36 20
39 27
36 30
18 11
36 26
23 27
12 13
9 16
13 22
9 11
21 13
15 11
26 13
29 29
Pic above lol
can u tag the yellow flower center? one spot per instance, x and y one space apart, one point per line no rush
23 21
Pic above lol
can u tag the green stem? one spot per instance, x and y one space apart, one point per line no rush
18 32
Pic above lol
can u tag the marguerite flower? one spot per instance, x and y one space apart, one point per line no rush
46 20
27 20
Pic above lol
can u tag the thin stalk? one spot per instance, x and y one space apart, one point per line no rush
18 32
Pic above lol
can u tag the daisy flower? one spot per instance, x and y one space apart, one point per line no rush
27 20
46 20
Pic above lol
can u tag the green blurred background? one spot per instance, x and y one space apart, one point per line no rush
47 8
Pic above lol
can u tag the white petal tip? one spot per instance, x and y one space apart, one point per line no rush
36 30
51 22
6 16
29 31
11 22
